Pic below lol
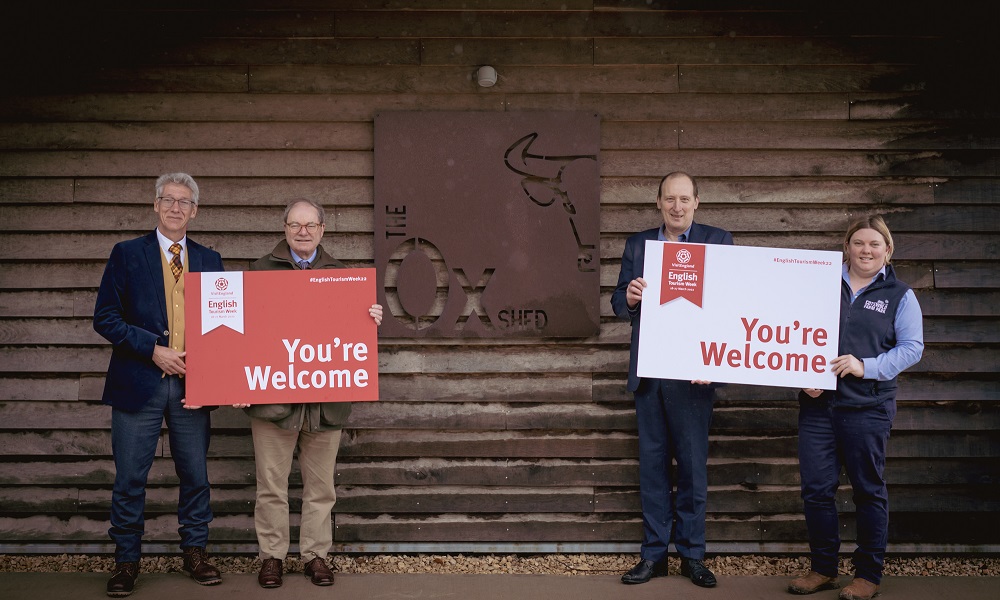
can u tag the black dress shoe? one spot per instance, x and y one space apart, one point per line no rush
644 571
698 572
123 579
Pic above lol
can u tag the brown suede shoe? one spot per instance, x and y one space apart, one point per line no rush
318 573
197 566
123 578
811 583
860 589
270 573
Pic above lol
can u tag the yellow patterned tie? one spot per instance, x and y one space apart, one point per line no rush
176 266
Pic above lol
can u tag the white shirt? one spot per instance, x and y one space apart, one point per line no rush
166 243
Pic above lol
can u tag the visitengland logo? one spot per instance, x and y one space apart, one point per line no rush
221 301
683 269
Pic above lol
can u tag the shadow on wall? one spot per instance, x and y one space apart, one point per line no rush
51 48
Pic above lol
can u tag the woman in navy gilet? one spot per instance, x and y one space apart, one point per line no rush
881 334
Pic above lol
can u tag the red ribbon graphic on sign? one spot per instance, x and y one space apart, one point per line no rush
683 272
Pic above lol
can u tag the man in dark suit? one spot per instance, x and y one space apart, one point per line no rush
140 310
673 416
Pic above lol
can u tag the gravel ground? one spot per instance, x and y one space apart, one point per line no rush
538 564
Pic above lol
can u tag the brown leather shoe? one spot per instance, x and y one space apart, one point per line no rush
860 589
197 566
123 578
318 573
270 573
811 583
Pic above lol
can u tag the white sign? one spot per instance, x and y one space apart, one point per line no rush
221 300
740 314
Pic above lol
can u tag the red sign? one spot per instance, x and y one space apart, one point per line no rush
683 273
306 337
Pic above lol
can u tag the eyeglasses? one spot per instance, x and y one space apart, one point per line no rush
169 202
310 227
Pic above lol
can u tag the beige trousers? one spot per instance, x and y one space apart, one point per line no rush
273 448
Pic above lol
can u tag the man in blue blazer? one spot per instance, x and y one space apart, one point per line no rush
140 310
673 416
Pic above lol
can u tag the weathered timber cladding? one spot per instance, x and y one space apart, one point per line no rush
795 120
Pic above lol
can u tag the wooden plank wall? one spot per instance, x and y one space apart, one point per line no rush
795 119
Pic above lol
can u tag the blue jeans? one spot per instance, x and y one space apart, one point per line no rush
855 440
673 418
134 437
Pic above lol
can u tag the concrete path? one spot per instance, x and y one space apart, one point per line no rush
175 586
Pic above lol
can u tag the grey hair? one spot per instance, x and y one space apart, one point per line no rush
180 179
291 204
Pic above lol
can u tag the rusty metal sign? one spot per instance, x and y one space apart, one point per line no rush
488 224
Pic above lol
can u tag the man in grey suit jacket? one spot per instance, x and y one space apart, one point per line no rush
673 416
140 310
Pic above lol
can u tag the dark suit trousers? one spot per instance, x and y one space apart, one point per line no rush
673 419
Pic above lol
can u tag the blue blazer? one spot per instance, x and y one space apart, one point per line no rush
632 261
131 313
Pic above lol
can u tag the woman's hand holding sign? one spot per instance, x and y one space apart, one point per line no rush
847 364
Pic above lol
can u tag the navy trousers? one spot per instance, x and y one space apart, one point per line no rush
673 419
134 437
855 440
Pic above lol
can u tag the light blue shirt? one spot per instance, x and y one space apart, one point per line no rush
909 324
661 235
299 259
